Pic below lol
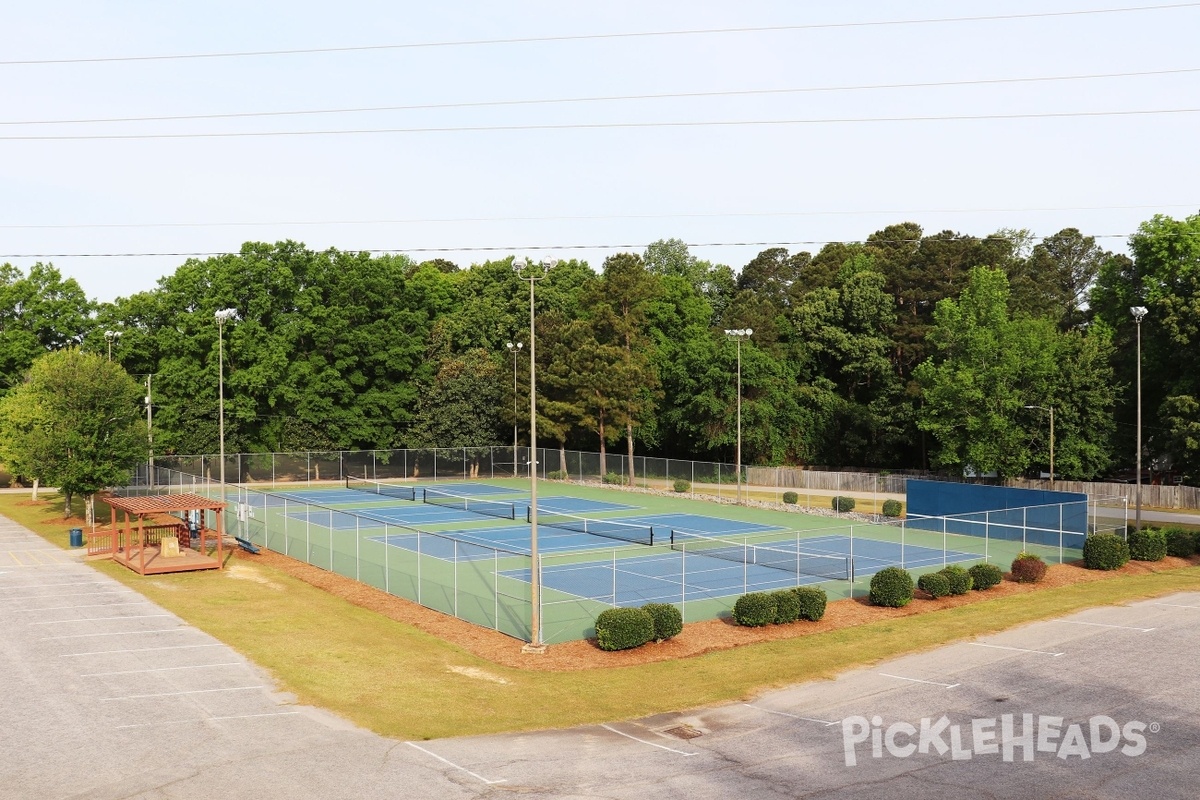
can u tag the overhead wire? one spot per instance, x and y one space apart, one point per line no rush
601 36
583 217
606 98
564 247
597 126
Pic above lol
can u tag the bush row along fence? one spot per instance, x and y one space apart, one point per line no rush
706 478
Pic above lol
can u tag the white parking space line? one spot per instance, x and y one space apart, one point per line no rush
98 619
189 691
1175 605
140 650
643 741
69 594
1018 649
160 669
92 605
1100 625
918 680
785 714
43 585
113 633
456 766
208 719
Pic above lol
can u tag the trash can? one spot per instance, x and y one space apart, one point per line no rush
76 537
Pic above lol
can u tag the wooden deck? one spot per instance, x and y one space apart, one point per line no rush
186 561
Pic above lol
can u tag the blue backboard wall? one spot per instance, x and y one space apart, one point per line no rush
1044 509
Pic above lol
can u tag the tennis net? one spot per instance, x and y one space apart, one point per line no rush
782 556
476 505
383 489
608 528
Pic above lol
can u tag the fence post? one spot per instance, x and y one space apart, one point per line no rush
943 542
387 567
683 571
987 532
1024 528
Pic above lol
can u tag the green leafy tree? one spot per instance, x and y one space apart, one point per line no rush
985 366
75 423
39 312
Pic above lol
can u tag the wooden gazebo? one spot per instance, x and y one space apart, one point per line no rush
151 547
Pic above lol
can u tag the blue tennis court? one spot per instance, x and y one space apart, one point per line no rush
699 523
677 576
510 538
407 513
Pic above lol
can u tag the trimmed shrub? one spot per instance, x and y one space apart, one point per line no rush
892 508
959 578
668 622
843 504
1180 543
891 587
787 606
623 628
985 576
613 477
557 475
1028 568
755 609
791 498
935 584
812 602
681 486
1148 544
1105 551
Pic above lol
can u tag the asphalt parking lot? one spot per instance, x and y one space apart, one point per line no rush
109 696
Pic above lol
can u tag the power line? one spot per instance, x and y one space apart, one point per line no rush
556 247
602 126
607 98
600 36
589 217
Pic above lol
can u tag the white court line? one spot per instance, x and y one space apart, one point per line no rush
1018 649
189 691
41 585
1100 625
94 605
113 633
206 719
96 619
141 650
785 714
918 680
643 741
160 669
1174 605
456 766
67 594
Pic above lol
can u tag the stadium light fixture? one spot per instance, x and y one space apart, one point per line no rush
1051 410
528 271
515 349
110 335
1139 312
739 334
222 316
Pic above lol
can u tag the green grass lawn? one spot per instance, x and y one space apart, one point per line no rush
398 681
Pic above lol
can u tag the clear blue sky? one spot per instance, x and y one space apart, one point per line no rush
608 187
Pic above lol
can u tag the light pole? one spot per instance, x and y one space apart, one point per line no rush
739 334
222 316
1138 313
515 349
1051 410
110 335
528 271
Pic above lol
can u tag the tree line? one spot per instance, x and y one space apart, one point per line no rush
906 350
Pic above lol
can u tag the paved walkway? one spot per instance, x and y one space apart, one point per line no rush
108 696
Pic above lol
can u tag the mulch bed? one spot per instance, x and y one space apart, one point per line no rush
696 638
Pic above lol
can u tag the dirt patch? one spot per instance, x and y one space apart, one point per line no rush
697 637
245 572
